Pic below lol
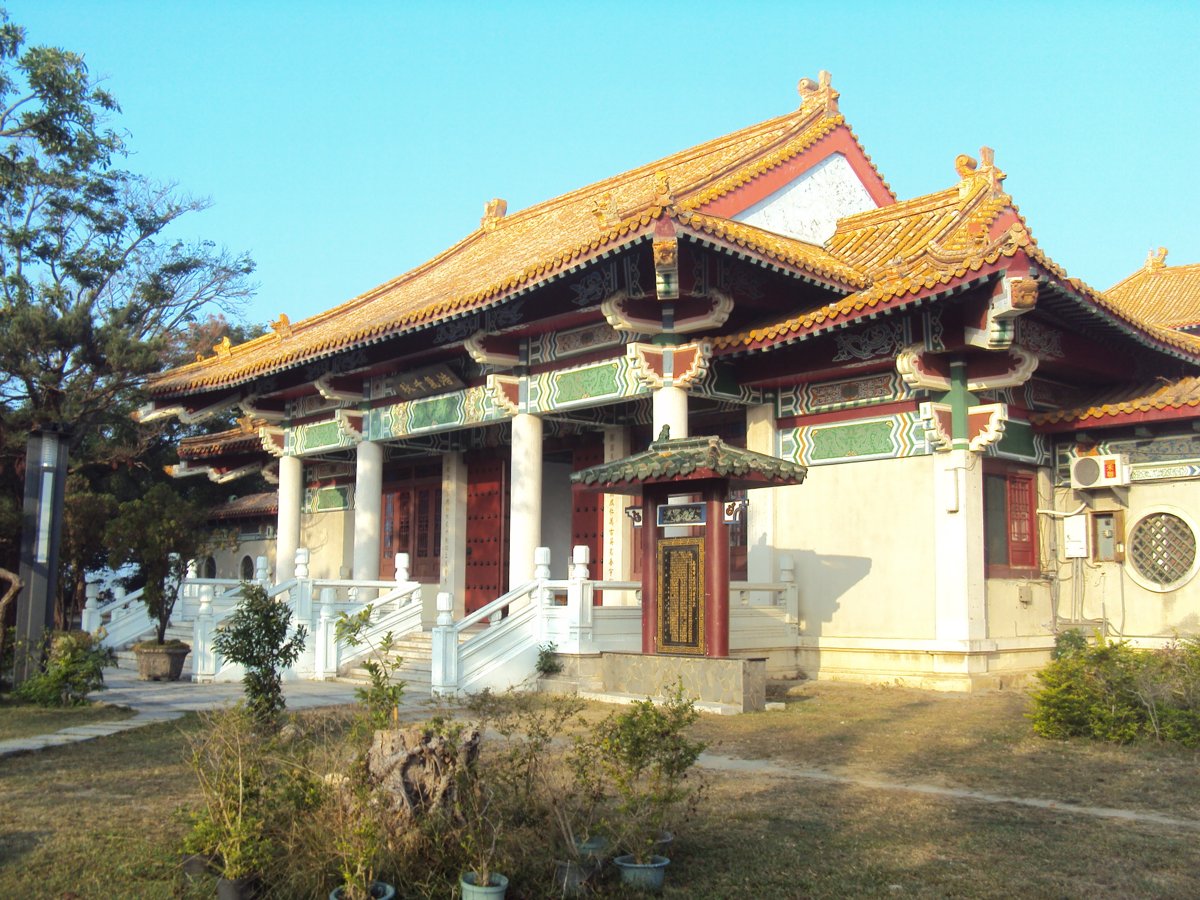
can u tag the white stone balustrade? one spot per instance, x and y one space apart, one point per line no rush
204 657
91 608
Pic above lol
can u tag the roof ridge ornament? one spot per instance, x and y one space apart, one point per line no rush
663 195
818 94
282 327
971 172
1156 261
605 211
493 211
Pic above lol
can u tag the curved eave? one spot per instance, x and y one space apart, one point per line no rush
827 319
1076 307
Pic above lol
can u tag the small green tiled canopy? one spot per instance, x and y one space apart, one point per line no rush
686 460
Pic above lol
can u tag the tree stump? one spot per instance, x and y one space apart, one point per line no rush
417 768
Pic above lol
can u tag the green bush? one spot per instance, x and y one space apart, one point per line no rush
255 637
1112 692
74 668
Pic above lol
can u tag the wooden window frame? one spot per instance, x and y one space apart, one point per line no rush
1020 516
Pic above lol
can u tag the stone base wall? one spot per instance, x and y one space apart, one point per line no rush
737 683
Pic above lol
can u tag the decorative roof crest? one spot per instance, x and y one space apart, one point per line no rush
1156 261
663 196
818 94
969 170
493 212
605 211
223 348
282 327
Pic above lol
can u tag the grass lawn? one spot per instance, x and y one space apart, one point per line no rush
18 720
95 819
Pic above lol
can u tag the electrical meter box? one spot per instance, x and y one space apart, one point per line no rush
1075 536
1108 542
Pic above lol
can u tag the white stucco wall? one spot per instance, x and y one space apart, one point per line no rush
1133 611
860 534
809 207
329 537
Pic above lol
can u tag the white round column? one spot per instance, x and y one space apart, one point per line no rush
525 498
671 408
368 499
287 533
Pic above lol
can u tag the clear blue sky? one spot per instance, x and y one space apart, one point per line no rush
344 143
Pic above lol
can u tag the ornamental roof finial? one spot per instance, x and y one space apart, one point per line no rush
968 169
663 195
1156 261
818 94
493 212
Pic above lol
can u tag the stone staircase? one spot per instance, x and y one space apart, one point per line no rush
415 651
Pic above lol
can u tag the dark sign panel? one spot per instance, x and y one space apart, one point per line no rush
681 595
682 514
424 382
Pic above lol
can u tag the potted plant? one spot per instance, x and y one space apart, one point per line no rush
233 769
157 532
577 808
357 837
645 755
477 838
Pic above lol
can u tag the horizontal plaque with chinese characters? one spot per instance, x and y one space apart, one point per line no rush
424 382
682 514
680 597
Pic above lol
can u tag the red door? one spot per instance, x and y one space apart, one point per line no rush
487 529
587 510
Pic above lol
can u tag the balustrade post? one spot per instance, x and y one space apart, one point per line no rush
327 662
791 591
541 573
444 664
302 610
188 596
91 609
119 610
402 576
580 595
262 572
204 657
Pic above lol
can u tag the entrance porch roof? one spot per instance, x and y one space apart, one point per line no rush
687 460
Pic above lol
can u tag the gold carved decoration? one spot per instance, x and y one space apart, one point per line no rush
605 211
1156 261
662 190
819 94
666 253
493 212
282 327
223 348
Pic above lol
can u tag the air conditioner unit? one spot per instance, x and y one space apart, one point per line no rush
1089 472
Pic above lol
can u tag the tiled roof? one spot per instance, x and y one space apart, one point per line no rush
511 252
1176 395
1168 296
912 248
908 248
248 507
242 439
675 460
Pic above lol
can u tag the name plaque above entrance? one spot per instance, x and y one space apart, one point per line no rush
682 514
680 595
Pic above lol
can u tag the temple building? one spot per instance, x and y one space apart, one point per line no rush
994 450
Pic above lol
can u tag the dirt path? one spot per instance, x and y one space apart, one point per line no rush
771 769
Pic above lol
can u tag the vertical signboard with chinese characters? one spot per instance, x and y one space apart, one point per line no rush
680 595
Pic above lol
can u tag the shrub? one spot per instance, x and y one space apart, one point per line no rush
547 660
74 668
255 637
1112 692
380 698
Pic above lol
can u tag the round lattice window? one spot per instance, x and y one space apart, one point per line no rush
1162 551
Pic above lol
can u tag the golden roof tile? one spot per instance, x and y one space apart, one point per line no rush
517 249
1124 401
1168 296
914 246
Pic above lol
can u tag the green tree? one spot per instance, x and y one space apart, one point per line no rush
97 293
159 533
